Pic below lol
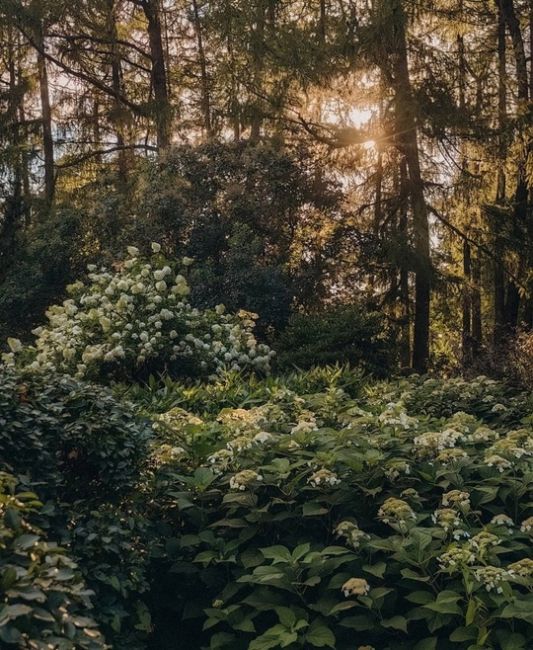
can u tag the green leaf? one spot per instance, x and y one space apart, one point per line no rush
396 623
276 637
300 551
419 597
464 634
377 570
446 603
313 509
278 554
286 616
320 636
430 643
358 623
521 609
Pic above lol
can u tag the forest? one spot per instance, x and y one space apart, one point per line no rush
266 324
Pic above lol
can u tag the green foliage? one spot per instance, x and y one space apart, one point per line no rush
306 519
44 602
345 334
109 544
242 211
40 267
73 436
236 390
301 511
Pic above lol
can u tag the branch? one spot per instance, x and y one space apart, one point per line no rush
81 75
480 247
102 152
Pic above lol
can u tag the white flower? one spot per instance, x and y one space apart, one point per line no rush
355 587
155 247
243 479
14 344
132 251
325 477
161 286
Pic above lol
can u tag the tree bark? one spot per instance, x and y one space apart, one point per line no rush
159 73
116 84
258 36
467 306
405 110
520 211
204 77
405 300
477 322
499 264
46 121
515 31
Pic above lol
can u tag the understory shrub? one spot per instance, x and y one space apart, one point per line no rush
111 545
137 318
236 389
73 437
44 603
314 510
345 334
520 360
322 520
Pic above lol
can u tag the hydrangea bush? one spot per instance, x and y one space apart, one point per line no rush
326 521
137 316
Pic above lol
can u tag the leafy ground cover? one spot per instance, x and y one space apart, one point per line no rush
312 510
397 518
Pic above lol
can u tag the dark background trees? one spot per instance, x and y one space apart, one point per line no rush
306 154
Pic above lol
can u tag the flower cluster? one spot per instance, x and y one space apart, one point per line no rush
456 557
324 477
431 443
456 499
350 531
522 568
446 518
139 313
527 525
244 479
396 511
355 587
492 578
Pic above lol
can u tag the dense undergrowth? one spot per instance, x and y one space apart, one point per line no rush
314 510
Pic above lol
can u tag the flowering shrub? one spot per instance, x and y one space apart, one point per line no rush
137 316
306 512
324 520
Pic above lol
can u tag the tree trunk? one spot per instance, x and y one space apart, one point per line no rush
46 121
116 84
158 74
499 263
405 109
405 301
322 23
520 211
467 306
513 25
531 49
204 77
477 323
258 36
